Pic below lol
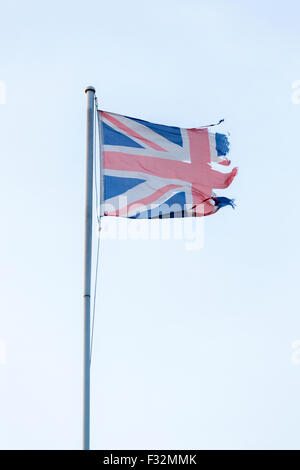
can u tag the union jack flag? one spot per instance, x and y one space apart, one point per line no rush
156 171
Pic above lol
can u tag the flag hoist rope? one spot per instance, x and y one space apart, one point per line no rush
97 174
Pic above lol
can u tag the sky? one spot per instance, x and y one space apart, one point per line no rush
195 346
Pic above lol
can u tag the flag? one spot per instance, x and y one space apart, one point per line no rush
156 171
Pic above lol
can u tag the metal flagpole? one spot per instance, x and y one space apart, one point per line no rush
90 92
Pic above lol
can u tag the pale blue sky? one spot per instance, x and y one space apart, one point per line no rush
193 349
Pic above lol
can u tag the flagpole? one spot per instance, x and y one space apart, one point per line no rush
90 92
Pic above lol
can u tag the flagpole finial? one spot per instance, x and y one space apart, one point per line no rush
90 88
